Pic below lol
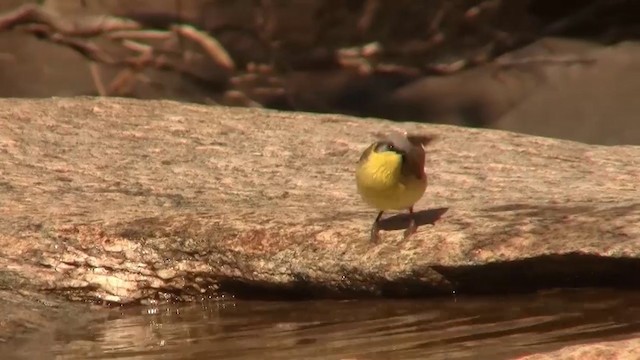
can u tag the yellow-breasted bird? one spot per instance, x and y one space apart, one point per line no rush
390 175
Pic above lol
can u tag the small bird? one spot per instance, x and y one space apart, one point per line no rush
390 176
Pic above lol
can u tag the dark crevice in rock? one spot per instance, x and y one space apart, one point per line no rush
544 272
297 290
514 277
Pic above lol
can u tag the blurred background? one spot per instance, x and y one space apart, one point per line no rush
566 69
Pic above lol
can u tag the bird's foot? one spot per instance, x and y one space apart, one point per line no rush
411 229
375 230
375 234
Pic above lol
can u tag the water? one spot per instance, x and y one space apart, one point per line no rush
446 328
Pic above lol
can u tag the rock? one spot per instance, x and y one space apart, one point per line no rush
561 88
619 350
480 96
593 101
125 201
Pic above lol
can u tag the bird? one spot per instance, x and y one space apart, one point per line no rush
390 175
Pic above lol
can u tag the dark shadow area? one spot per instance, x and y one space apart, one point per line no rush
304 290
422 217
570 271
544 272
299 290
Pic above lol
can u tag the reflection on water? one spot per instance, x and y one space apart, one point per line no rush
452 328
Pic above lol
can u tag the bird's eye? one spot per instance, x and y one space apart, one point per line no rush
382 147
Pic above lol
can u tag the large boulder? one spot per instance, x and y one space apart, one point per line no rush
123 201
561 88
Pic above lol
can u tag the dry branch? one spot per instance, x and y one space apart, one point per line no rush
210 45
139 35
34 14
117 42
97 79
436 47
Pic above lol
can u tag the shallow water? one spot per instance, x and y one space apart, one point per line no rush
446 328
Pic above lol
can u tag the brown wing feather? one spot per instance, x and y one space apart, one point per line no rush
415 157
422 139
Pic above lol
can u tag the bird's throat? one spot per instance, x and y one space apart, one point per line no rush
380 171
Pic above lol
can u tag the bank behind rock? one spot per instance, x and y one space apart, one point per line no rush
123 201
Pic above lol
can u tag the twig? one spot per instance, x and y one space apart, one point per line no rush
139 35
86 48
434 26
136 46
122 83
369 13
81 35
473 13
97 79
448 69
90 26
210 45
31 13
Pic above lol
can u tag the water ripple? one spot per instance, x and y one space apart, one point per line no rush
456 328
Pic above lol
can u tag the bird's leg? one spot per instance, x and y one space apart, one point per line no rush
411 229
374 228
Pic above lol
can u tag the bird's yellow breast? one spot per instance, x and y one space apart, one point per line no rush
382 184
